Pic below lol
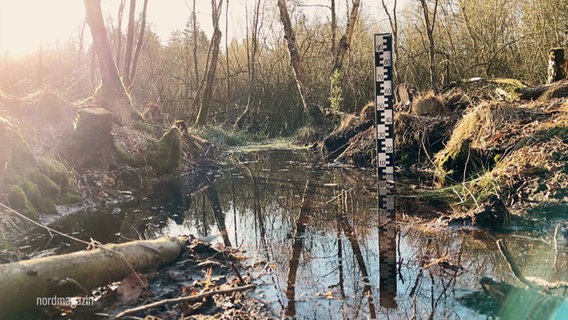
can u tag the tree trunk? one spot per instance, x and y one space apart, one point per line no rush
336 86
111 87
333 26
227 73
195 35
251 64
345 40
129 43
314 114
92 142
23 282
430 24
393 21
201 119
119 32
139 44
555 65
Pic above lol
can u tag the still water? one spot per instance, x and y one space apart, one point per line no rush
312 234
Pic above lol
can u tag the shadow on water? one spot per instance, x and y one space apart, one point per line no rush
314 232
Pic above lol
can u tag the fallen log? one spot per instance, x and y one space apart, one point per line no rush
23 283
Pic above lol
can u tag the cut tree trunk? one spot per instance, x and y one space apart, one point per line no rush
92 143
23 282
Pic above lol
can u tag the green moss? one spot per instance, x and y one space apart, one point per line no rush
19 201
143 126
68 198
39 202
22 157
165 155
221 137
129 158
559 131
57 172
46 186
463 163
5 245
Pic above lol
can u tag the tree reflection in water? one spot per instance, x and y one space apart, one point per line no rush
322 244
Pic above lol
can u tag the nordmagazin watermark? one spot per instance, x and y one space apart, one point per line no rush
72 302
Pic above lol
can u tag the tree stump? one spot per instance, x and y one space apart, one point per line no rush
92 143
555 65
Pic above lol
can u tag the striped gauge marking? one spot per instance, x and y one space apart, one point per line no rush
384 119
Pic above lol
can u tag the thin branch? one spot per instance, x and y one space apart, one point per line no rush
514 267
185 299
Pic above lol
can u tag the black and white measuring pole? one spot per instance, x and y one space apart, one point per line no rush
384 116
384 120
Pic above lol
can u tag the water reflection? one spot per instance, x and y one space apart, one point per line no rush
321 240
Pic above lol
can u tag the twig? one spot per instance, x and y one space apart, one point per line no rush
555 241
437 261
514 267
185 299
237 272
41 225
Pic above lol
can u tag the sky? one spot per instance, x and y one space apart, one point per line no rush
27 24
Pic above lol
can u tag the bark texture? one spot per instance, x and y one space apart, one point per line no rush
556 62
21 283
345 40
314 114
201 119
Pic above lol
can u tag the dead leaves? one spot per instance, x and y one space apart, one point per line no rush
131 288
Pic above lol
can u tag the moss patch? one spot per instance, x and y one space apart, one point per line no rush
165 155
19 201
35 185
475 141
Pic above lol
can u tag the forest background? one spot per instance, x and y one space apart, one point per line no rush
436 42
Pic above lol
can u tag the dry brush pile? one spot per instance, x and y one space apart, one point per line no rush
481 156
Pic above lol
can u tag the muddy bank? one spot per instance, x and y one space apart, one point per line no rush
58 157
475 157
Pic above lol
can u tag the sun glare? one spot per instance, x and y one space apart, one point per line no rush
25 25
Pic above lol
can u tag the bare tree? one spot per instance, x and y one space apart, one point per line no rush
119 33
195 35
393 21
313 113
139 44
201 119
333 25
252 53
430 24
111 87
227 73
129 43
345 40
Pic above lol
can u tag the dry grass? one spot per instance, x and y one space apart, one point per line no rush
134 142
485 125
428 104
